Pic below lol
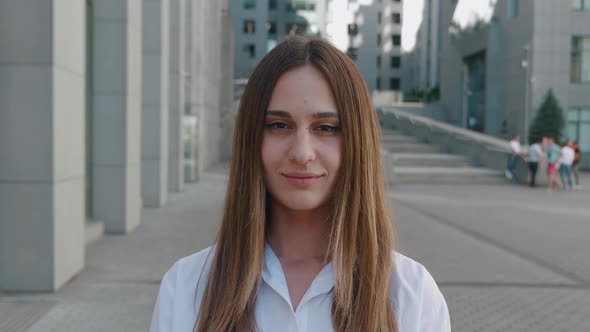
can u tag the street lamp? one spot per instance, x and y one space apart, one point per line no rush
525 64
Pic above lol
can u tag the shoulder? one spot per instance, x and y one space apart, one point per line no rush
186 270
417 300
181 292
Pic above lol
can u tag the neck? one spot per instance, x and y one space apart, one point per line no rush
299 235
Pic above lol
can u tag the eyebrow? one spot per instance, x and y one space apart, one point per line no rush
318 115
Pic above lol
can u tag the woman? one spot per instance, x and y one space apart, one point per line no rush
305 243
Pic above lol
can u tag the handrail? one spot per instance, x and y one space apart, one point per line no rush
453 130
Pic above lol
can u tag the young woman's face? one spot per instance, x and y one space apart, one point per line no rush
302 144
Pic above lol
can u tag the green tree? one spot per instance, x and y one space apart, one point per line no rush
549 120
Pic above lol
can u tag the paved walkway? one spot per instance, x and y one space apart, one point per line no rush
507 259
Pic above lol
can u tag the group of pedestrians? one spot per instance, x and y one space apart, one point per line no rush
562 159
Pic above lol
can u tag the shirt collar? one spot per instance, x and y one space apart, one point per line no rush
274 277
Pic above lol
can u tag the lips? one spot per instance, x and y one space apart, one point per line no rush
302 179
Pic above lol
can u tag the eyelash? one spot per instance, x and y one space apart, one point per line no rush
324 128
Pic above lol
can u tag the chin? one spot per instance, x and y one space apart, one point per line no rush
301 201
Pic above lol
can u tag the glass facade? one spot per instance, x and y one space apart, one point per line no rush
294 5
512 8
249 4
580 59
581 5
474 94
578 126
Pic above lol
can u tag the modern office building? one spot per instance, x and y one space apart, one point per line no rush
259 24
497 69
369 31
422 68
375 39
105 107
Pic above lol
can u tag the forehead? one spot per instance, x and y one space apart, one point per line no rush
303 89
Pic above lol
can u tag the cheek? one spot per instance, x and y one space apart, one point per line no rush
270 152
332 155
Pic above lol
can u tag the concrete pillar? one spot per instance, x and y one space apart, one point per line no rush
117 114
207 50
154 118
177 94
226 97
42 135
193 115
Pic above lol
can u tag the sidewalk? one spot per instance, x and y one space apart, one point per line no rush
507 259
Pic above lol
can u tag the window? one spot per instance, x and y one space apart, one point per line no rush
578 127
396 18
394 83
378 61
249 27
378 83
352 52
295 28
379 16
272 4
271 30
581 5
294 5
249 4
353 29
580 59
512 8
395 61
396 40
379 39
249 51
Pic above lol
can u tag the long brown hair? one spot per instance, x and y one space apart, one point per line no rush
361 238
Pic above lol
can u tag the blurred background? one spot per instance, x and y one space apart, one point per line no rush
116 121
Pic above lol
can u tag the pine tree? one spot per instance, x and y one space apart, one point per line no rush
549 120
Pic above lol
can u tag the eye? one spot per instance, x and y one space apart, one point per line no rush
327 128
277 125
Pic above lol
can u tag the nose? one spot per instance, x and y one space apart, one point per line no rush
302 148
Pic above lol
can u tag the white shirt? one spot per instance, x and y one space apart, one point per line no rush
416 300
567 156
515 146
534 153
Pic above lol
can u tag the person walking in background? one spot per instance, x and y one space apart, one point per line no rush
576 164
535 154
566 160
552 156
515 152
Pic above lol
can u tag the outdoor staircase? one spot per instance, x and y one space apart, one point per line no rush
413 162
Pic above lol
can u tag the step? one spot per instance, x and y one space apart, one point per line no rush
410 148
445 175
399 139
429 159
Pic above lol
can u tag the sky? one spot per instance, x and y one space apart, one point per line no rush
466 12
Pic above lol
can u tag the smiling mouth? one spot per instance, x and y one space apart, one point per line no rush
302 180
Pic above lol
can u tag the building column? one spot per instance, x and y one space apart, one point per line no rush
177 95
42 135
154 118
226 97
207 83
193 116
116 125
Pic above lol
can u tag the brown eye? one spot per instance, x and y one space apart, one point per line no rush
328 128
276 125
